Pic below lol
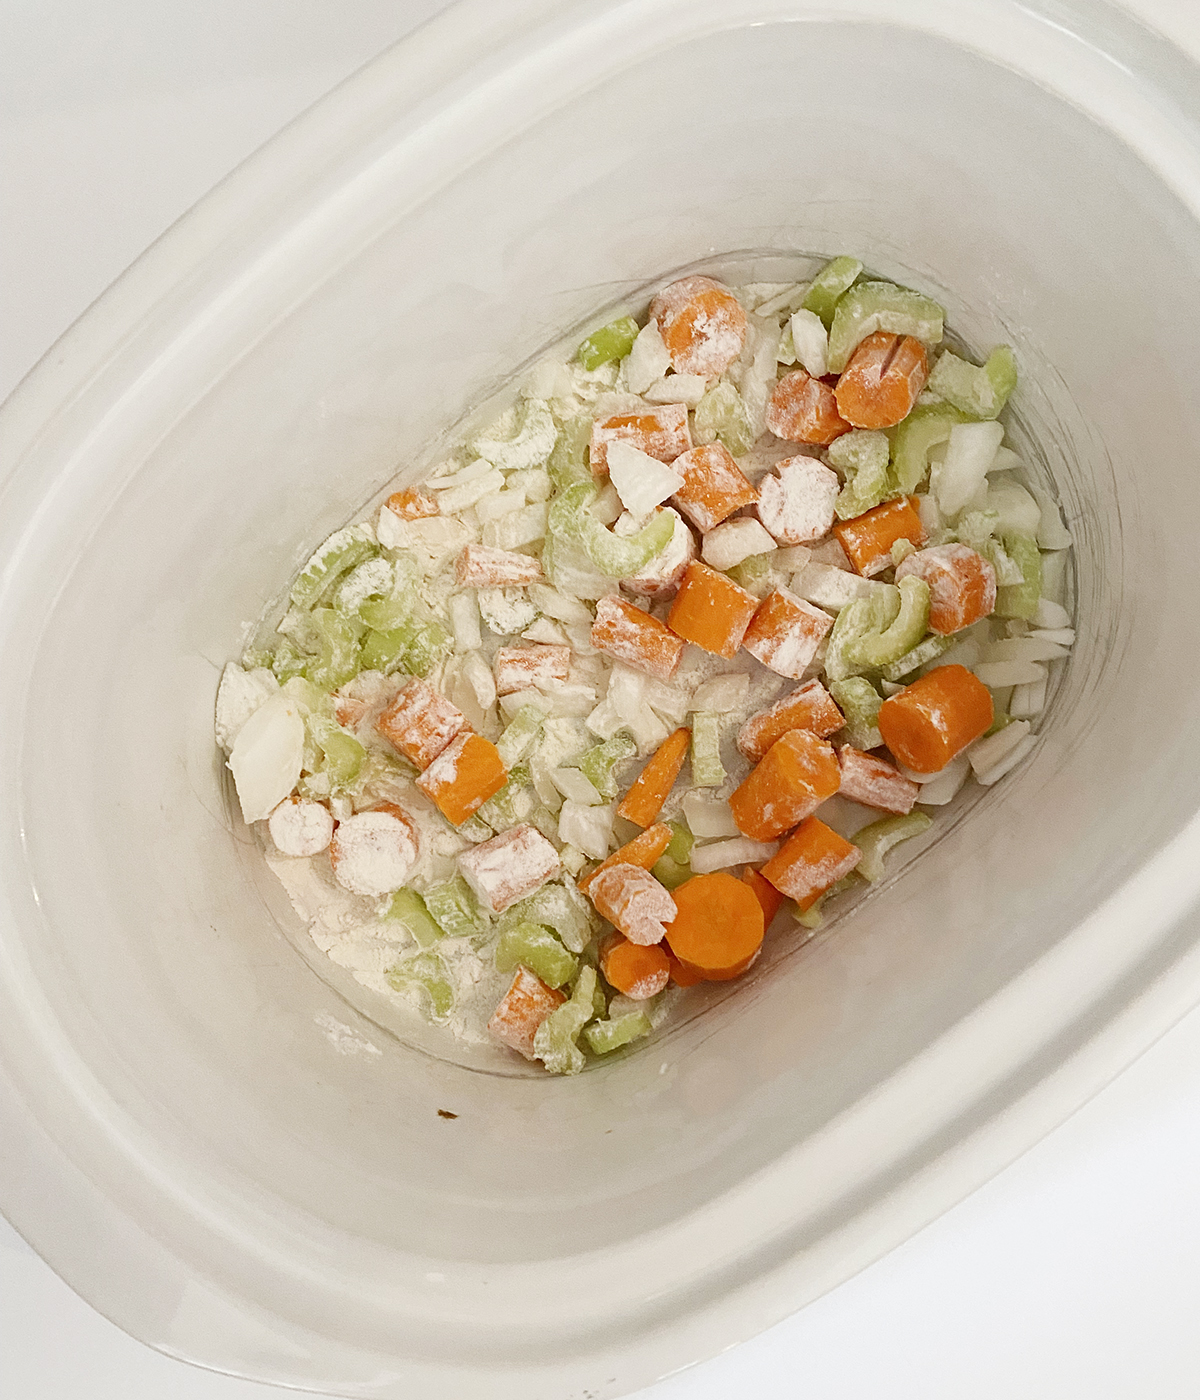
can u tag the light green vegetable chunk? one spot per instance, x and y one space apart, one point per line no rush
814 916
876 840
861 455
529 446
570 520
874 650
408 908
535 947
555 1041
860 702
979 391
611 342
924 428
976 527
288 662
707 768
722 414
755 574
337 638
680 845
431 643
605 1036
500 811
520 735
343 753
670 873
336 557
598 765
829 285
881 306
1008 571
1021 599
386 613
426 972
384 651
569 461
560 907
921 655
454 908
864 617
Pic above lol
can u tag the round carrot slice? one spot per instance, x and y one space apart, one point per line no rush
638 971
931 721
881 383
803 409
718 927
702 325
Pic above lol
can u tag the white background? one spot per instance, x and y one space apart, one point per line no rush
1074 1275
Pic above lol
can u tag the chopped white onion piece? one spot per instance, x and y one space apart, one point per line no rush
708 816
722 854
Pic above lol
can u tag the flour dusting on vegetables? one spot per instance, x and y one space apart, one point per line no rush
692 637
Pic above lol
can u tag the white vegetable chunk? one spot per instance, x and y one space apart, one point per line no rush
300 828
1015 507
677 388
959 476
708 816
575 787
589 828
649 359
810 340
944 787
240 693
642 481
722 694
266 757
735 540
991 758
998 674
1028 700
722 854
1051 615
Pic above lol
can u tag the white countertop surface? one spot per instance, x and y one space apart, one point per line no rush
1073 1275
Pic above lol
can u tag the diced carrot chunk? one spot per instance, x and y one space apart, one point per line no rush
962 585
682 976
522 1010
644 800
509 867
718 928
643 850
881 383
931 721
868 538
636 969
767 895
633 636
786 632
796 501
420 722
711 610
412 504
875 782
660 432
702 325
481 566
812 860
809 707
714 486
803 409
798 773
517 668
348 710
463 776
633 901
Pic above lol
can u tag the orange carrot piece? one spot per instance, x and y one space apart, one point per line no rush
803 409
868 538
348 710
420 722
714 486
682 976
660 432
718 929
643 850
812 860
962 585
517 668
638 970
876 783
767 895
644 800
809 707
798 773
463 776
636 638
633 901
785 633
711 610
522 1010
881 383
412 504
481 566
931 721
702 325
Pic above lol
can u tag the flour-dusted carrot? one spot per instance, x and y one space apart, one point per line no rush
880 385
643 850
875 782
517 668
660 432
796 501
348 710
809 706
633 901
718 928
644 800
412 504
786 632
481 566
711 610
714 486
702 325
768 896
962 585
522 1010
931 721
868 538
798 773
633 636
420 722
509 867
372 852
812 860
638 970
463 776
803 409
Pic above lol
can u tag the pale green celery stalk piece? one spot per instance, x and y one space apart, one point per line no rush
979 391
900 551
975 527
337 556
829 285
859 701
605 1036
427 971
386 614
876 840
569 460
520 734
722 414
863 618
499 811
875 650
924 652
529 446
344 755
679 848
754 574
373 579
814 916
475 830
569 568
862 457
560 907
454 908
555 1041
535 947
670 873
408 908
338 638
288 661
384 651
544 820
881 306
707 768
1008 571
1001 719
254 658
924 428
611 342
622 556
1021 599
599 763
431 643
312 699
564 519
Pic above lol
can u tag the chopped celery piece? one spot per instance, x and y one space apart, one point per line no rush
598 764
564 520
829 285
880 306
670 873
454 908
874 650
864 617
555 1041
386 614
979 391
755 574
343 753
1008 571
336 557
1001 719
288 662
923 429
338 658
374 578
605 1036
311 698
499 811
862 457
529 446
384 651
976 527
722 414
430 645
611 342
427 972
568 462
876 840
408 908
923 653
1021 599
859 701
535 947
814 916
544 820
571 571
560 907
680 846
475 830
900 551
570 519
707 768
518 738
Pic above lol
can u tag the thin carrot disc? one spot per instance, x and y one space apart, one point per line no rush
718 927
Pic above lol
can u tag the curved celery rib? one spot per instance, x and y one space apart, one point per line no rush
535 947
979 391
337 638
611 342
429 645
670 873
598 764
830 285
881 306
569 459
384 651
426 972
680 846
564 520
924 428
862 618
454 908
861 455
555 1040
605 1036
1021 599
722 414
530 446
559 907
859 702
618 556
874 650
921 655
876 840
340 553
408 908
343 753
518 738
